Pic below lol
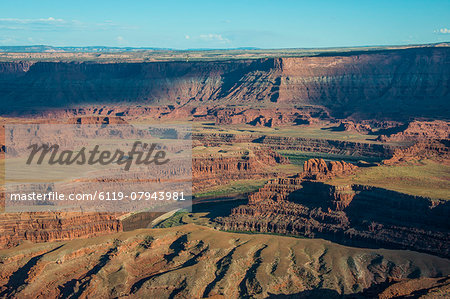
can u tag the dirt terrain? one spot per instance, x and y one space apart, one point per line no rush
161 262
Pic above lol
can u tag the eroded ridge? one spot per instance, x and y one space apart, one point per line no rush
160 263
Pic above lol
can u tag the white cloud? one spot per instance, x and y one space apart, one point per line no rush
30 21
41 24
443 31
51 23
7 41
214 37
51 19
187 37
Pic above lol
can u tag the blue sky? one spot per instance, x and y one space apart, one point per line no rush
224 24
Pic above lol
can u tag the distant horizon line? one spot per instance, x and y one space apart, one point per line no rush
4 47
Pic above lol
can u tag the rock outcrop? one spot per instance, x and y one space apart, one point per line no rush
268 117
46 227
427 140
437 150
211 171
317 169
350 126
103 120
420 131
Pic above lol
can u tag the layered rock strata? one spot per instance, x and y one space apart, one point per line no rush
353 214
413 83
45 227
303 144
211 171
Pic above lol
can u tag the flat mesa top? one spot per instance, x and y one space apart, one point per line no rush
115 55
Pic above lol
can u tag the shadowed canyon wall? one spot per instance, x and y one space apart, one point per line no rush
354 215
411 82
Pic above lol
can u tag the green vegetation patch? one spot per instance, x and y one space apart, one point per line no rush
425 178
233 188
175 220
299 157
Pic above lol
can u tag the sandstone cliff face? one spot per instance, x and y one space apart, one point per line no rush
352 214
317 169
14 69
353 217
63 84
206 172
297 143
420 131
321 195
400 84
211 171
44 227
427 139
362 84
437 150
265 117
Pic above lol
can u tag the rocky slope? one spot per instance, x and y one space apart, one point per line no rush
438 150
420 131
411 82
192 261
429 140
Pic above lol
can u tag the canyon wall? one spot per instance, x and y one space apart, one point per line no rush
339 147
206 172
411 83
44 227
355 215
212 171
